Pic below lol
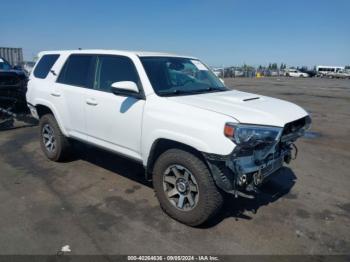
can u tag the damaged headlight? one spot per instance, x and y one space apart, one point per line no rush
252 135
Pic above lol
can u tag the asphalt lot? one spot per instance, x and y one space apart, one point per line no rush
99 203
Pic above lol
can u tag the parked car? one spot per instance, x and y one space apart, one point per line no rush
195 137
310 72
218 72
339 74
296 73
12 86
238 73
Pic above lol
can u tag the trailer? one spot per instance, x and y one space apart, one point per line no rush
13 55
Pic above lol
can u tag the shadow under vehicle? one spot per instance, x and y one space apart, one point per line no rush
277 186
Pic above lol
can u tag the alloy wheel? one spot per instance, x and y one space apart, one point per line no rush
49 139
180 187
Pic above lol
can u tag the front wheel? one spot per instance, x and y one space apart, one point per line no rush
185 188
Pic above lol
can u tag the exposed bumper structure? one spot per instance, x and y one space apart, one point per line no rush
243 175
250 172
244 170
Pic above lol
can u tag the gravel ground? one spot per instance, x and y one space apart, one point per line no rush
99 203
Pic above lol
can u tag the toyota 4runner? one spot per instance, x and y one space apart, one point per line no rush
196 138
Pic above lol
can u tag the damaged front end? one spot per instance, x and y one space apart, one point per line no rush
260 152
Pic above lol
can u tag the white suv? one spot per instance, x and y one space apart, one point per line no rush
195 137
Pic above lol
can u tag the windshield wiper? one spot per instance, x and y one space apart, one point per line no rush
217 89
208 89
173 92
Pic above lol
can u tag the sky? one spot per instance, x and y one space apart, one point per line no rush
220 32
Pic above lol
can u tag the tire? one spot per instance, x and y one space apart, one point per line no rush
61 149
206 201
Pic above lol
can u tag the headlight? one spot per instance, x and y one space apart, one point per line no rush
251 135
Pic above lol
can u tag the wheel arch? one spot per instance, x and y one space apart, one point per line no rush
44 108
160 145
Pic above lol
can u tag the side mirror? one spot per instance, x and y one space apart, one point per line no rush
126 88
222 80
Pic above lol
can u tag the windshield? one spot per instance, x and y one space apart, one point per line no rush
171 76
4 65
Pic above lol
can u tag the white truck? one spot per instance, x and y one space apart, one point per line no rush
195 137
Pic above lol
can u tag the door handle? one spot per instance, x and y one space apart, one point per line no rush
56 94
91 102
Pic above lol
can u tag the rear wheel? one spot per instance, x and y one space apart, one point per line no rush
185 188
53 143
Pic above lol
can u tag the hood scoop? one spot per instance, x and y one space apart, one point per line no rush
250 99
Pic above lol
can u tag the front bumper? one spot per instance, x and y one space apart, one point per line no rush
244 170
248 164
242 175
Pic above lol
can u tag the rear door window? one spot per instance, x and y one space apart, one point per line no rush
78 70
111 68
44 65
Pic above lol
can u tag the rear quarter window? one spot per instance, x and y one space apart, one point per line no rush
44 66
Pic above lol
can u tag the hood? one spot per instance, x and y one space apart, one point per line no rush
245 107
